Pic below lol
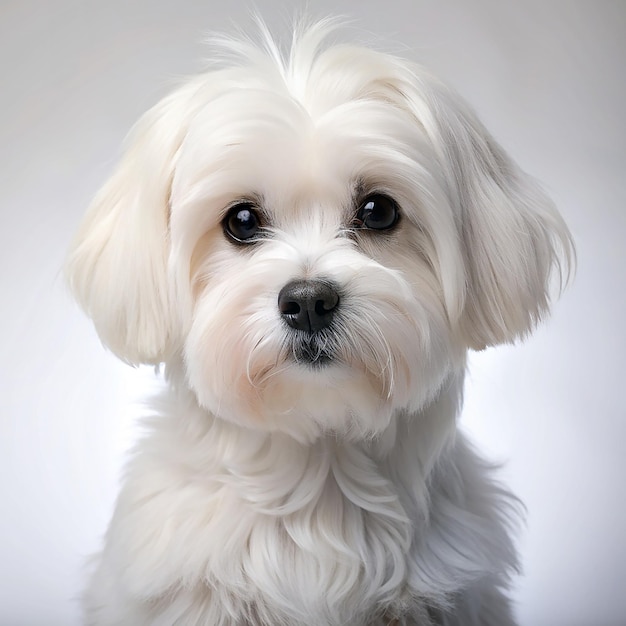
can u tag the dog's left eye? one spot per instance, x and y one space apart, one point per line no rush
377 212
242 223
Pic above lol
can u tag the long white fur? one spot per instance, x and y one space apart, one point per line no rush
269 493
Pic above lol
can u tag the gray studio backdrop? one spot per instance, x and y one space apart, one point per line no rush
546 77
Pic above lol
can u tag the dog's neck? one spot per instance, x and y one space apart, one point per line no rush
407 448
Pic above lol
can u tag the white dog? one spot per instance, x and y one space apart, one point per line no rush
310 243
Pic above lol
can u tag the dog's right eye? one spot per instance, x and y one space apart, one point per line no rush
242 223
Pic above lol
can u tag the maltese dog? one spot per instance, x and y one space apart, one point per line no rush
311 242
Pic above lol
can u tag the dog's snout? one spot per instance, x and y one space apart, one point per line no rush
308 305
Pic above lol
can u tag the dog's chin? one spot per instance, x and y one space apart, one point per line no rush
314 389
310 393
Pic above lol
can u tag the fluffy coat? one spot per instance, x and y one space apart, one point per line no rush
334 492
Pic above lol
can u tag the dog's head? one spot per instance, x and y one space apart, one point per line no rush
316 240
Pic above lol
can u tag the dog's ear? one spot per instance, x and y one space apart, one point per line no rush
511 234
117 265
513 237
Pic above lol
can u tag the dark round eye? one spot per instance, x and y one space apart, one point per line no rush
377 212
242 223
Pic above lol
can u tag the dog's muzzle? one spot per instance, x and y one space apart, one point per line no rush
309 307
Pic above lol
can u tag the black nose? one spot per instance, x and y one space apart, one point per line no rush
308 305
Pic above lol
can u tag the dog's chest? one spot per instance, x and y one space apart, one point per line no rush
320 511
302 535
327 531
295 534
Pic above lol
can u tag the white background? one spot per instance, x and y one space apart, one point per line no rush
547 77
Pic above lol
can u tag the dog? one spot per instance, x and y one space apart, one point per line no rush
311 241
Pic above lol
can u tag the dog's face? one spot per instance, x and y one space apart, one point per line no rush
307 246
317 243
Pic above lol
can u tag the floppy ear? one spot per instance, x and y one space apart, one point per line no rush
513 239
117 265
511 234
